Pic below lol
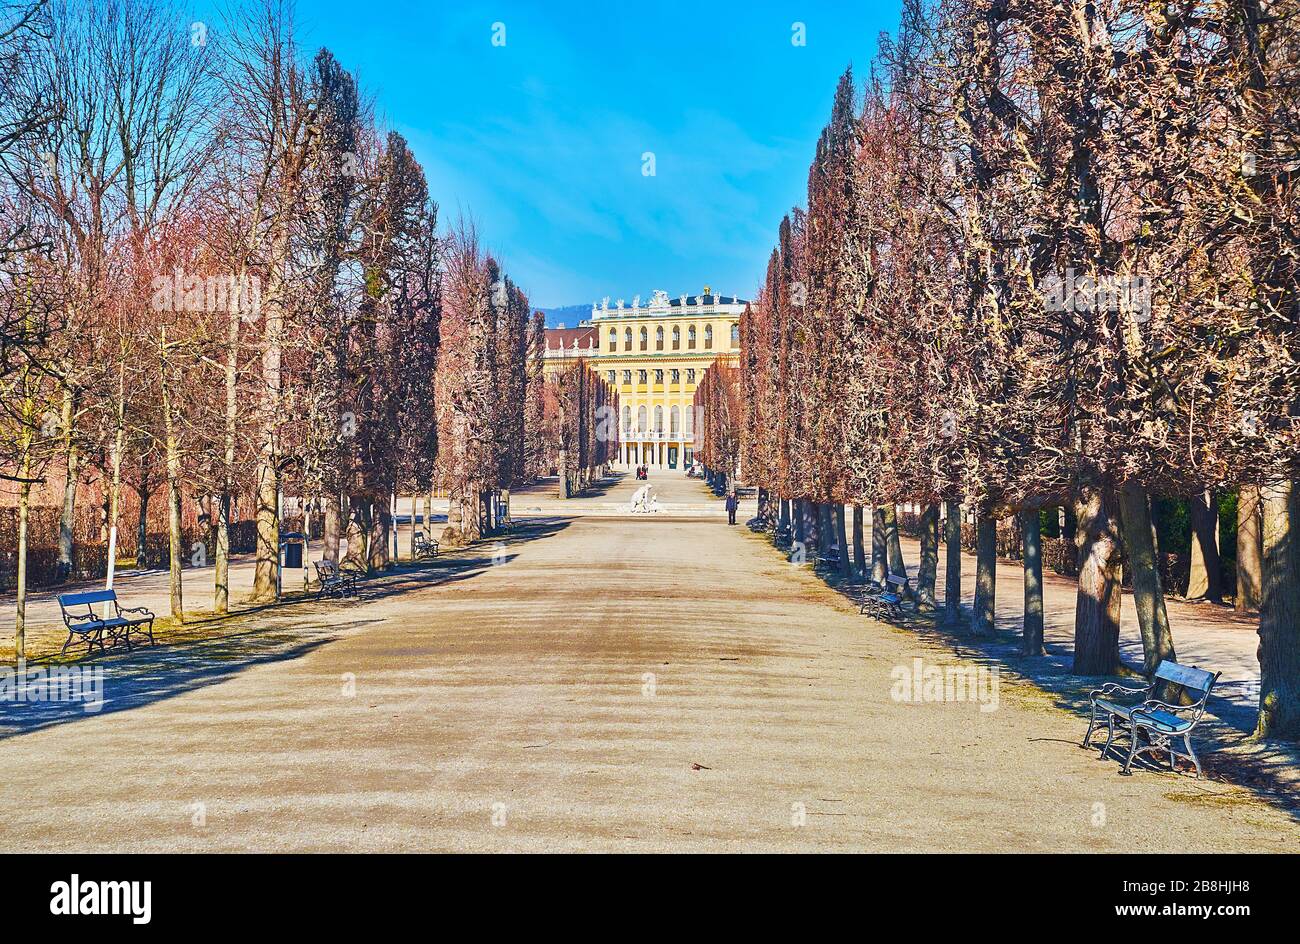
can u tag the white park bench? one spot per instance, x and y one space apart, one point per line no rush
1152 724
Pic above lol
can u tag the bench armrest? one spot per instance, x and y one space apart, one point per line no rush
1152 704
1114 688
80 617
135 609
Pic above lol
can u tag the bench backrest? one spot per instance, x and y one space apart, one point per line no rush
896 580
86 598
1195 680
327 568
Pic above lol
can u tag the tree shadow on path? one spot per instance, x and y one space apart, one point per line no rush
286 630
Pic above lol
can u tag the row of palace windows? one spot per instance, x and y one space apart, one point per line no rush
677 338
642 375
643 416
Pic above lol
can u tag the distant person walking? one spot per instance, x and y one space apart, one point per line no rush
731 507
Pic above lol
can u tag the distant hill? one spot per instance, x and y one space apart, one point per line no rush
568 315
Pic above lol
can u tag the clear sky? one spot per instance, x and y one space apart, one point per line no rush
542 139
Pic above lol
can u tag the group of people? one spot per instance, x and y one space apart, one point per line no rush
643 472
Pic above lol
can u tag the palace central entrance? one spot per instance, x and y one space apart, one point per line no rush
663 455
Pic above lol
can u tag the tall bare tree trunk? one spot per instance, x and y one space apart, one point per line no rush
24 511
266 574
1204 582
453 510
1250 551
1279 615
221 579
928 570
71 455
416 501
391 537
175 586
846 566
333 521
896 563
986 566
221 566
785 514
1097 603
952 565
879 546
142 530
377 540
825 528
115 480
175 550
859 549
358 554
1031 640
1144 574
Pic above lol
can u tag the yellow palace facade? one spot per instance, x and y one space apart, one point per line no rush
654 356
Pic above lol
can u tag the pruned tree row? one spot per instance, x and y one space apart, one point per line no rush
719 407
1050 258
581 422
223 287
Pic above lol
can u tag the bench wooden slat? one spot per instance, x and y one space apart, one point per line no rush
87 597
1187 676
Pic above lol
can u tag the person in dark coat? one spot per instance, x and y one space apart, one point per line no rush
731 507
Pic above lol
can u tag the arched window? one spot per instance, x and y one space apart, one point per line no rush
659 338
735 335
627 339
641 419
708 337
659 419
677 338
675 421
645 339
690 421
690 338
627 418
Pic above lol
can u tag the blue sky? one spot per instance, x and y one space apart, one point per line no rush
541 140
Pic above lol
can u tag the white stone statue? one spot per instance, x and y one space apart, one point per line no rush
644 501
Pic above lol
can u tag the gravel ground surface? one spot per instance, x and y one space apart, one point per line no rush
589 683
